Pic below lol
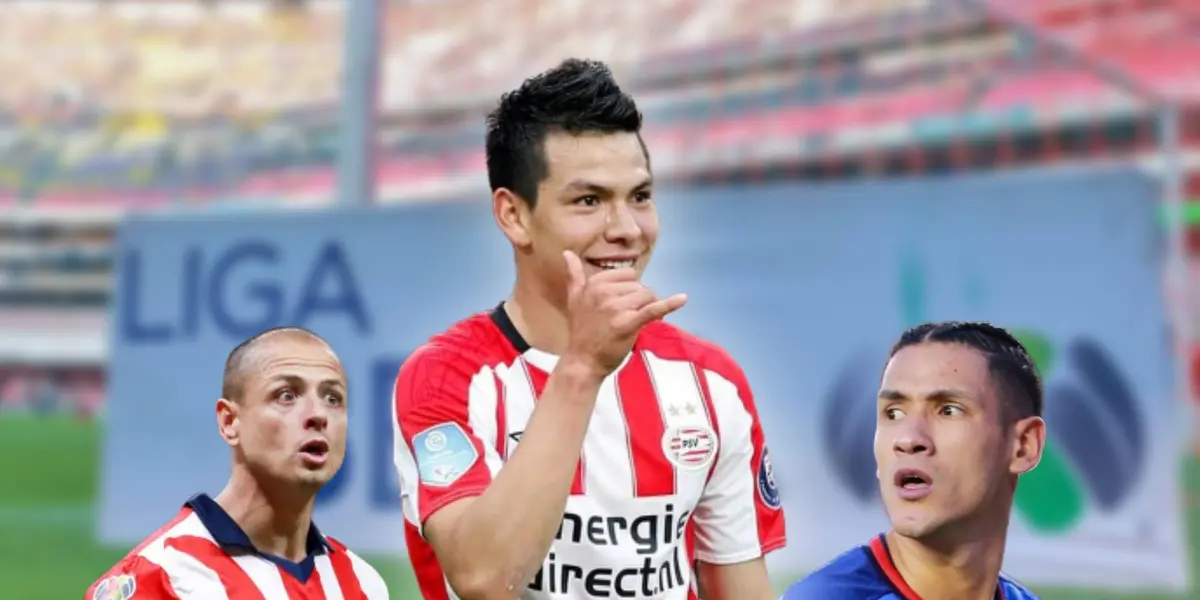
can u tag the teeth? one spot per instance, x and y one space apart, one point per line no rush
615 264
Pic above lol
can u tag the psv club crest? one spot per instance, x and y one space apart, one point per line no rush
690 446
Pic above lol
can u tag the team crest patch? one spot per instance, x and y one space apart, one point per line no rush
444 454
767 489
117 587
690 446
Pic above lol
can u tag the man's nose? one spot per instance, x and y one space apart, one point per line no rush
316 415
621 226
913 437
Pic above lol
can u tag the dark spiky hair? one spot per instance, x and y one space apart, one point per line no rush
577 96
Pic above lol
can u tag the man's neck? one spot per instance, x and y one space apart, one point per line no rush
276 523
539 320
961 571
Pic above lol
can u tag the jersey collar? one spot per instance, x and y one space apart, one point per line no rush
883 559
538 358
226 532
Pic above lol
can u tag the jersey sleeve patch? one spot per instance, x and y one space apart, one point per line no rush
444 454
767 489
117 587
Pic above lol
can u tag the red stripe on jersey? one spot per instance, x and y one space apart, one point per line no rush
238 585
343 569
710 408
501 418
309 590
653 474
537 381
430 578
884 559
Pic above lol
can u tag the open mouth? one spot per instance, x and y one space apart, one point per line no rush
608 263
914 484
315 449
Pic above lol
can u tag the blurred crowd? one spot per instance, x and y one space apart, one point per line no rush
135 103
126 104
41 390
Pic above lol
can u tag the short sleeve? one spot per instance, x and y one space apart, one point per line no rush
740 515
445 436
134 575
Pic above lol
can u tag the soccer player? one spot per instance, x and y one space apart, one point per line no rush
959 420
569 443
283 413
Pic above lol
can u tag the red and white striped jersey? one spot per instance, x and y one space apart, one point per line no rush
202 554
673 470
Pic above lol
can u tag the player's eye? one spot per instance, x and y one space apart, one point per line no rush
892 414
335 399
642 196
951 410
587 200
285 395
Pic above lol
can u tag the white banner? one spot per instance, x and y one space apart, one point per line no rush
805 286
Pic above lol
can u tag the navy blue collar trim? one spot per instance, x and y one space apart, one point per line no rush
228 534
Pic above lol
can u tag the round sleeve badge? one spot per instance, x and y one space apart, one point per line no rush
767 490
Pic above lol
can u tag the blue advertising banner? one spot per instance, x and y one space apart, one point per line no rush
805 285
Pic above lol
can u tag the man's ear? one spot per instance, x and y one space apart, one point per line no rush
1028 443
228 421
513 215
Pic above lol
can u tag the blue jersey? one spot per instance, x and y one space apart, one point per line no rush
868 573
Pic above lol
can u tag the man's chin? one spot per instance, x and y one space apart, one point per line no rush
916 523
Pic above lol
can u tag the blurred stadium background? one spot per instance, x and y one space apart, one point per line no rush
119 107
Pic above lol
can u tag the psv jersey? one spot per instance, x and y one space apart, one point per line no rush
868 573
674 468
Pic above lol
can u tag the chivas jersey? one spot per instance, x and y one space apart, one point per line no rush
202 554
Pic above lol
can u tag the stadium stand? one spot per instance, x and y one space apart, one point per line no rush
232 103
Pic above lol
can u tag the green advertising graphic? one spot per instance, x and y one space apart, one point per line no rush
1096 437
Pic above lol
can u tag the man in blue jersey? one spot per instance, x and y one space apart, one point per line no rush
959 420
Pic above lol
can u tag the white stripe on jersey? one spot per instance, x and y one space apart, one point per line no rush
609 473
681 404
481 411
369 580
188 576
726 518
265 575
519 398
406 464
329 581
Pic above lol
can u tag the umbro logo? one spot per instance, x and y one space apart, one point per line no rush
516 436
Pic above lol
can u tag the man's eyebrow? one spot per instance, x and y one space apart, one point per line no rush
587 186
940 395
591 186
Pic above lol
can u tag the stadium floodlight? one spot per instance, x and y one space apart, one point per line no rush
358 105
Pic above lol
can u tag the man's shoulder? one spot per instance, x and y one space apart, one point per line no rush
462 348
149 557
476 335
671 342
369 579
850 576
1013 590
